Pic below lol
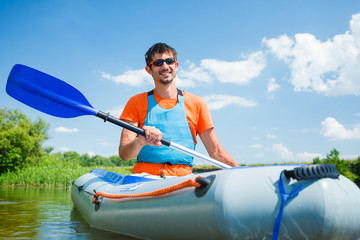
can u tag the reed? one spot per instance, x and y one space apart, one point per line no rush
58 170
51 176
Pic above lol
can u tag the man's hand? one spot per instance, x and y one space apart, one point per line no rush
152 136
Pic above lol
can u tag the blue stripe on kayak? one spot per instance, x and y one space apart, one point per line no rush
118 179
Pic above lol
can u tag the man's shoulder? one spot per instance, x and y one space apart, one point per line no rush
192 97
139 97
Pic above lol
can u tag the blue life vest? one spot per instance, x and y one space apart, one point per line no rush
174 126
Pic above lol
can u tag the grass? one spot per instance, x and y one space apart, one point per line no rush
51 177
61 175
56 172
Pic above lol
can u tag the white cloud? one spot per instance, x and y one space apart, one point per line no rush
280 46
116 111
91 154
192 76
272 85
135 78
350 157
65 130
240 72
256 146
288 155
216 102
334 130
283 151
307 157
329 68
271 136
64 149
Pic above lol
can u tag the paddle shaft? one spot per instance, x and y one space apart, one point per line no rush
128 126
168 143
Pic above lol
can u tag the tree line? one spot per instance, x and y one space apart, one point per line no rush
348 168
21 146
74 158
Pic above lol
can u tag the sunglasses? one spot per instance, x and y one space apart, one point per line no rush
159 62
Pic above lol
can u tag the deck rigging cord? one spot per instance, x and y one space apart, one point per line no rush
197 183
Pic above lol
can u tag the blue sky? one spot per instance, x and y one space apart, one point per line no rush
281 78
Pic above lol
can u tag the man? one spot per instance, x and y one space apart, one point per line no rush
178 115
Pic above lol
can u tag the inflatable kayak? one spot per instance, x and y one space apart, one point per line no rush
269 202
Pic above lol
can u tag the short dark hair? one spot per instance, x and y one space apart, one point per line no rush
159 48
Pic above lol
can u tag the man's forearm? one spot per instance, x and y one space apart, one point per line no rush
223 156
130 150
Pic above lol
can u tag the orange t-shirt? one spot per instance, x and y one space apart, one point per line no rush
196 109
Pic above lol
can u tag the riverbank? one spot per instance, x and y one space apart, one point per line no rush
62 176
50 177
58 170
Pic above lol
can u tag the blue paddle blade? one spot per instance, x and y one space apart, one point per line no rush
47 93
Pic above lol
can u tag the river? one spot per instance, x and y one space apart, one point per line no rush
35 213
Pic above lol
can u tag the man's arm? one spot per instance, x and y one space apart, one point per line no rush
214 148
131 143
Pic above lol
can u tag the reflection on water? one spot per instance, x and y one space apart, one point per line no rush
33 213
84 231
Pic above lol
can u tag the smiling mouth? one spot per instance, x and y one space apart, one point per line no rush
166 77
165 74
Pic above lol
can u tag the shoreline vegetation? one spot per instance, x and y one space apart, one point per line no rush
25 162
58 170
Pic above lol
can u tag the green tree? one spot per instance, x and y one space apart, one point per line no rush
85 160
115 160
343 166
357 171
130 162
71 156
99 161
20 140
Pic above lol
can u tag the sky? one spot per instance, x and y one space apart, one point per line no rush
281 78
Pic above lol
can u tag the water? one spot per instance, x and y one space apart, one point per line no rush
33 213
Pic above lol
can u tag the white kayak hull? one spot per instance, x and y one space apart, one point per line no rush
242 203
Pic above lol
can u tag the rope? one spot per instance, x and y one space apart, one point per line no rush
176 187
310 172
284 198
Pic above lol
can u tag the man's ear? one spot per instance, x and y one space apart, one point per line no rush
148 69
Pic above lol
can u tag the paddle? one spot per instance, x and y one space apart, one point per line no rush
58 98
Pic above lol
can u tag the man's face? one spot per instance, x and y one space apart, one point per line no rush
165 73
